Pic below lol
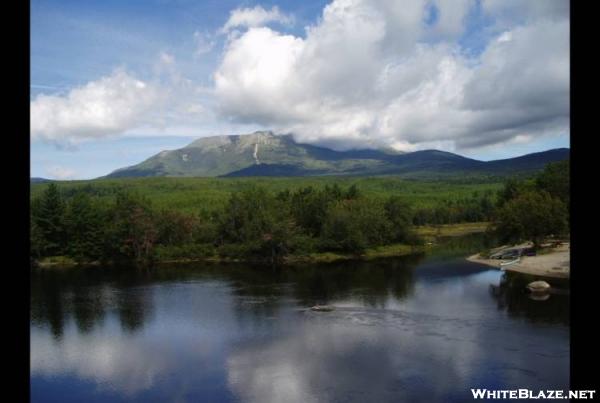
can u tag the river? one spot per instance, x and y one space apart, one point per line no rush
412 329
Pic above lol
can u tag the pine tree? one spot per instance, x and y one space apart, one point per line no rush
49 219
84 227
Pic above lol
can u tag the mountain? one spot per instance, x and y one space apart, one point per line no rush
529 162
267 154
39 180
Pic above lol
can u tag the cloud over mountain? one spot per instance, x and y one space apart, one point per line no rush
441 74
373 73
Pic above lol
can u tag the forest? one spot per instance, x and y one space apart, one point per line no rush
271 220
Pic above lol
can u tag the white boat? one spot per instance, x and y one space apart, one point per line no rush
505 264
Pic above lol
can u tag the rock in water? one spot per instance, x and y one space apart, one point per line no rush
538 287
322 308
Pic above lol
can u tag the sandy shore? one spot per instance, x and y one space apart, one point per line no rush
555 264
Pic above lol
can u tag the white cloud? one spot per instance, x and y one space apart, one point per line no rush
254 17
166 58
258 63
60 172
122 104
367 73
451 17
100 108
205 42
523 11
521 87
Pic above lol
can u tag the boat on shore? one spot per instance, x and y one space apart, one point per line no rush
503 265
553 264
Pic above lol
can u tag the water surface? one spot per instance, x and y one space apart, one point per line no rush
415 329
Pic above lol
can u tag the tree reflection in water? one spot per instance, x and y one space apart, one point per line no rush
236 332
86 295
512 297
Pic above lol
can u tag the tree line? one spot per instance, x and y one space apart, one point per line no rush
534 209
258 224
253 223
478 207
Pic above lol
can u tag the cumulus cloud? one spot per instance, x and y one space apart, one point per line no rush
254 17
107 106
369 73
60 172
450 16
121 104
522 11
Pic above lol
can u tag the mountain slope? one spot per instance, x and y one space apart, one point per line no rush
529 162
266 154
222 155
39 180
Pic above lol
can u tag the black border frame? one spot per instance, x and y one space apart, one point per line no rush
584 285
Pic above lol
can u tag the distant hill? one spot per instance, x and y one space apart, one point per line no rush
39 180
267 154
535 161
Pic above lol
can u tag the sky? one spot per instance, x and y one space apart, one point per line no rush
115 82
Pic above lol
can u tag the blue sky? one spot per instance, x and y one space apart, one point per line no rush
114 82
74 42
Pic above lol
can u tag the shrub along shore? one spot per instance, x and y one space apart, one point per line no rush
254 225
306 224
429 233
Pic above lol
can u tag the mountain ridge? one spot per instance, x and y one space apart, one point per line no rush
264 153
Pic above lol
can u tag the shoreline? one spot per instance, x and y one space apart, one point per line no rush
554 264
388 251
430 233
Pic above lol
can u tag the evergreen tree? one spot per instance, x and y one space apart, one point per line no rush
555 179
400 215
84 228
49 219
132 232
512 188
353 225
260 222
353 193
36 240
175 228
